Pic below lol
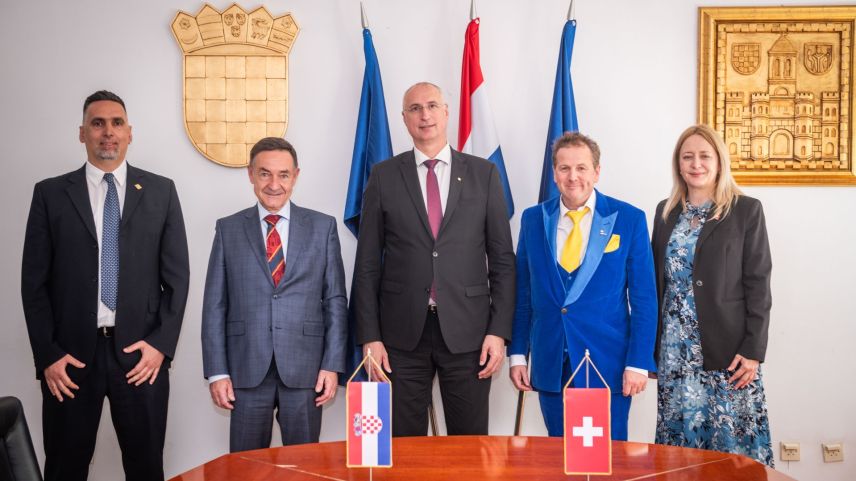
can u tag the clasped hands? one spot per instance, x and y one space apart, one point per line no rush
147 369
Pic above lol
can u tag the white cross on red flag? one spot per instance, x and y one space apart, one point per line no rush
588 446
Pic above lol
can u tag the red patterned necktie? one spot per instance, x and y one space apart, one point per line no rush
435 209
275 257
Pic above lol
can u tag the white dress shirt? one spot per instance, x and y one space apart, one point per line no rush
97 187
563 230
442 170
282 229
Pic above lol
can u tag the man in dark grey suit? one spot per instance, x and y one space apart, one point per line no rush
104 282
434 274
274 315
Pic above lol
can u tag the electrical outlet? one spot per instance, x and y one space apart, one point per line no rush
790 452
833 452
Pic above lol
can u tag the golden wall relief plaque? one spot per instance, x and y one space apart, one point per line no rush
235 78
776 83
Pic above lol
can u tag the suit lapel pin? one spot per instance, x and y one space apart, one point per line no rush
138 186
459 179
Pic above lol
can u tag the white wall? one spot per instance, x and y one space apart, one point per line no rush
634 69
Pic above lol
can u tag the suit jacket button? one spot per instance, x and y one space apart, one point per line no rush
699 283
434 254
564 311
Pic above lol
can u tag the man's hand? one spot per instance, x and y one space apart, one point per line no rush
634 383
491 349
520 377
380 356
149 365
746 374
57 379
222 393
326 385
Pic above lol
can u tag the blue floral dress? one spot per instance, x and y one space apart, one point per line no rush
698 408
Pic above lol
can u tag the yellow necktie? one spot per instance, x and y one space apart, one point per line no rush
574 244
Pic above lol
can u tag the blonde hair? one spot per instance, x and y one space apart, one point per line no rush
725 192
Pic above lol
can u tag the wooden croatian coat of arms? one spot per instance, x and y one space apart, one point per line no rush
235 79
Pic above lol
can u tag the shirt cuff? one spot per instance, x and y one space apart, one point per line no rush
516 360
217 377
643 372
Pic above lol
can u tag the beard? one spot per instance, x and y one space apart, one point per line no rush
106 154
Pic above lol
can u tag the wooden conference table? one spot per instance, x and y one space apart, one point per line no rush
476 458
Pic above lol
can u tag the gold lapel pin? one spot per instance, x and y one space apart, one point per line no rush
138 186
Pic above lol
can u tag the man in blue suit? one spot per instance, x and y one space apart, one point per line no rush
274 315
585 280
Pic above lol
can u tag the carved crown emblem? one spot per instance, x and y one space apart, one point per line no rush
235 78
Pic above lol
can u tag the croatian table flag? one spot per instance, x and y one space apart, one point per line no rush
476 130
369 418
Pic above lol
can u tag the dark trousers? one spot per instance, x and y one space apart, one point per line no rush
465 396
298 418
138 412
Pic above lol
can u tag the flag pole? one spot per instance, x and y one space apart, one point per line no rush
521 398
363 18
473 13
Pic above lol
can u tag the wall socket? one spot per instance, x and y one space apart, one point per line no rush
833 452
790 451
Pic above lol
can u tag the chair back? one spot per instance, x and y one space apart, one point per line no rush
18 460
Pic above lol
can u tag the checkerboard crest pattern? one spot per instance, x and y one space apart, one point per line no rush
235 79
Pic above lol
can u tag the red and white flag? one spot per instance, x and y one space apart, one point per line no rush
369 424
588 445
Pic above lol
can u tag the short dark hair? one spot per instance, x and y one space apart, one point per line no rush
576 139
268 144
103 95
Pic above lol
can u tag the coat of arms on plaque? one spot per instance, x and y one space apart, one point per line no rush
235 78
776 83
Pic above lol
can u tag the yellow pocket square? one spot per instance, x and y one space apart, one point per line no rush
614 244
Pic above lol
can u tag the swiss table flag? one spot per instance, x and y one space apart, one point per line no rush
588 446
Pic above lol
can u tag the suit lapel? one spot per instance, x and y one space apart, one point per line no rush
663 237
253 230
550 215
411 182
710 225
79 194
298 240
458 171
602 224
135 187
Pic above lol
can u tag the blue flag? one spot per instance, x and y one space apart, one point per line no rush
563 114
372 143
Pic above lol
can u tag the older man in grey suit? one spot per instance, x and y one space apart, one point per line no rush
274 316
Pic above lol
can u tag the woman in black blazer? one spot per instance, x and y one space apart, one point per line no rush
713 279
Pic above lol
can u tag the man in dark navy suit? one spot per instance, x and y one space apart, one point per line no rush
104 283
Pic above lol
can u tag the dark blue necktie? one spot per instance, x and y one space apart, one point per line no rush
110 245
